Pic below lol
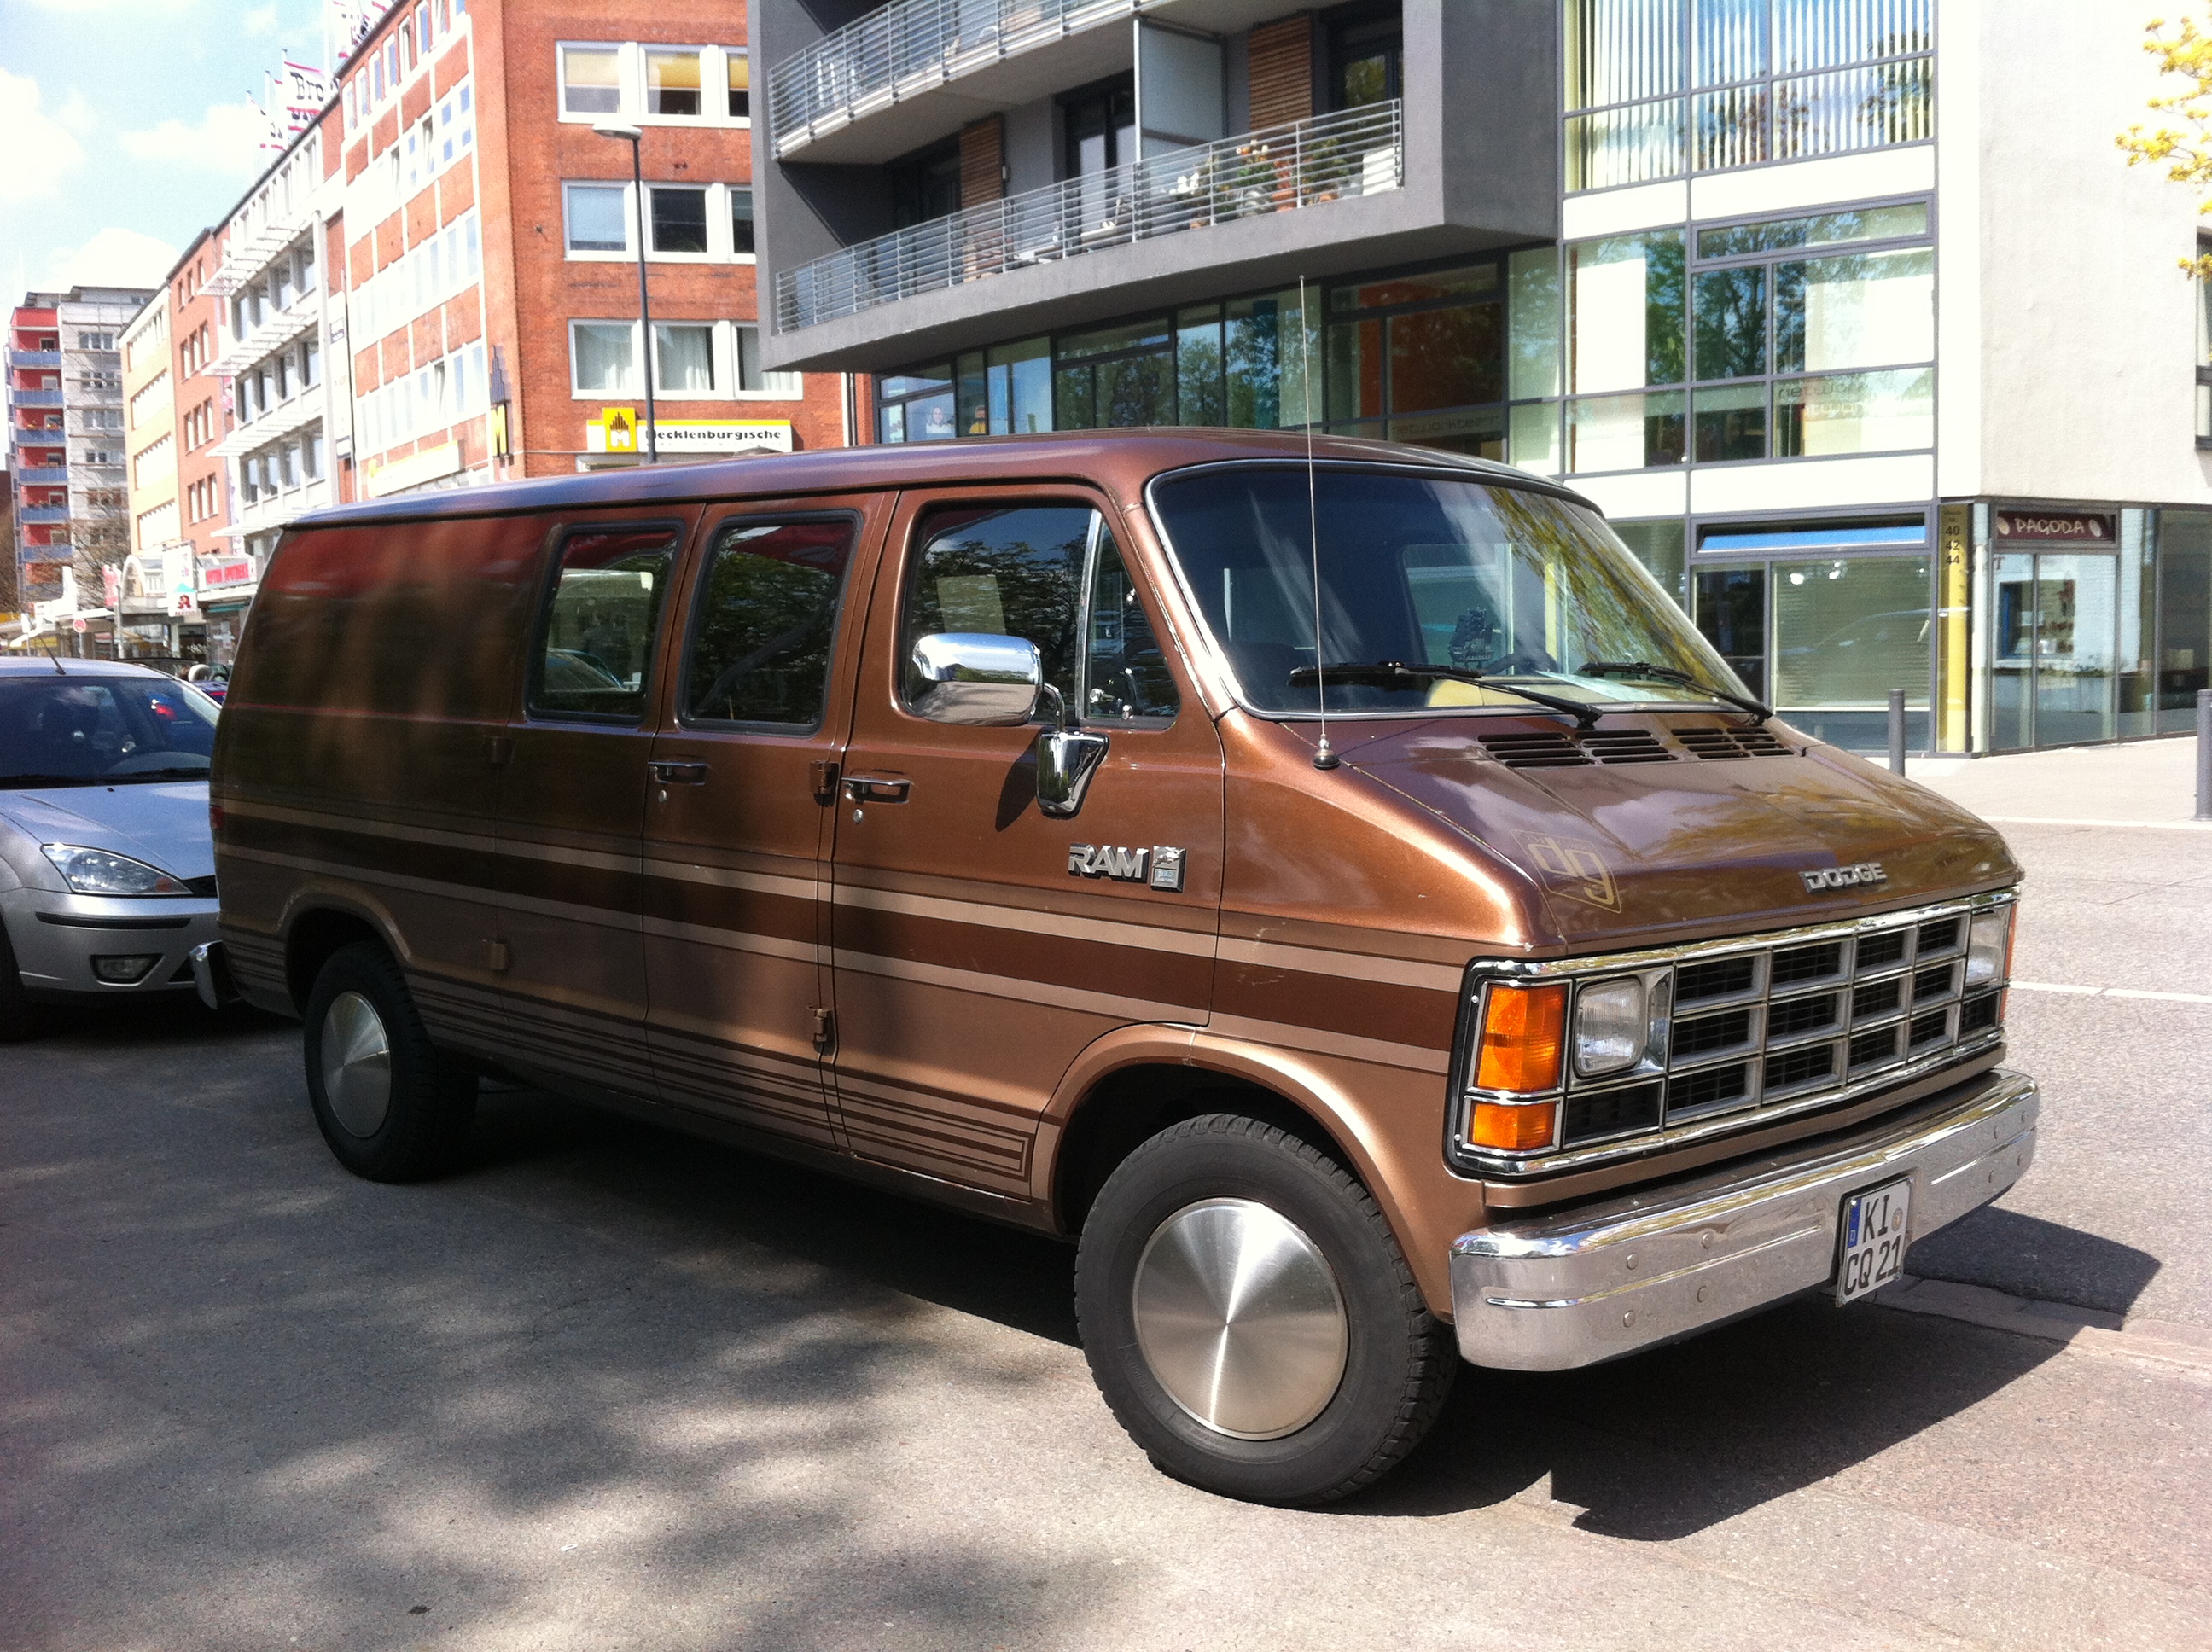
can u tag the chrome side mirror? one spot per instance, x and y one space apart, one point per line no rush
1066 758
977 679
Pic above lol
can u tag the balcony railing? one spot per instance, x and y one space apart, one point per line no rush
34 398
1279 169
34 358
900 51
35 473
42 513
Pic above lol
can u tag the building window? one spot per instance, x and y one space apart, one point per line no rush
741 221
456 126
1656 87
684 358
678 215
604 355
754 382
599 217
96 341
671 82
590 80
1366 48
740 68
925 185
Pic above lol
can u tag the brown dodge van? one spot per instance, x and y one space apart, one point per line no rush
965 818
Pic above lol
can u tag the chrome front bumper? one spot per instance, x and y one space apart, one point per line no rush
1593 1282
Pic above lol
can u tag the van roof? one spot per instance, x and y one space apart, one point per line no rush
1126 460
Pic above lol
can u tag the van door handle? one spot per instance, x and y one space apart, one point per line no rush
878 788
684 773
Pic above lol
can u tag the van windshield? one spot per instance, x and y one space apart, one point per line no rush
82 730
1431 571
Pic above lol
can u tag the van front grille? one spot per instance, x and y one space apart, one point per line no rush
1558 748
1718 743
1785 1026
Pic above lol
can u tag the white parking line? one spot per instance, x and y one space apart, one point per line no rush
2047 820
2111 991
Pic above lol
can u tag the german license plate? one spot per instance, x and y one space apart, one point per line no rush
1876 1226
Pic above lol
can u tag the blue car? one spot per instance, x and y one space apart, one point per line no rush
107 863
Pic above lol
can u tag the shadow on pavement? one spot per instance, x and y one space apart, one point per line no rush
253 1402
2027 1256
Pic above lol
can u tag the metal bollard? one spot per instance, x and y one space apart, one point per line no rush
1897 731
2205 753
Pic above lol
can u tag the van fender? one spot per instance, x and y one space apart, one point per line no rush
1305 1082
349 899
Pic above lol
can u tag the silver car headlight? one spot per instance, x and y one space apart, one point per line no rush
102 872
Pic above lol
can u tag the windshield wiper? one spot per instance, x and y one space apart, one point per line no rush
29 780
1397 674
1645 669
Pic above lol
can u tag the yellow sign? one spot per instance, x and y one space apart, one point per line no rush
620 430
499 435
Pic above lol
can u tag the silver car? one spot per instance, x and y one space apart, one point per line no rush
107 863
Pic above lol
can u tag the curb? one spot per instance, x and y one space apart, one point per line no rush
2083 1330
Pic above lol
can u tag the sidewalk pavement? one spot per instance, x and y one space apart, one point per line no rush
2142 783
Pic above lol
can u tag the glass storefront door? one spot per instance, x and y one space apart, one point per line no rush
2053 675
2185 616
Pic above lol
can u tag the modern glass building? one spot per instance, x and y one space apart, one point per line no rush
1847 311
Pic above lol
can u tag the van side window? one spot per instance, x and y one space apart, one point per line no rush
1125 675
601 620
1007 570
767 619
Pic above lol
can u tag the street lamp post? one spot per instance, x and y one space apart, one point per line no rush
634 135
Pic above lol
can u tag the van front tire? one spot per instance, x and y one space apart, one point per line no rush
390 1107
1249 1318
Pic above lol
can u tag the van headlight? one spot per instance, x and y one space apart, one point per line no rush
102 872
1613 1027
1988 946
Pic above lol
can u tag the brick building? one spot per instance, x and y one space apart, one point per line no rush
489 244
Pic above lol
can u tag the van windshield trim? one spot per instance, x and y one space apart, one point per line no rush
1485 476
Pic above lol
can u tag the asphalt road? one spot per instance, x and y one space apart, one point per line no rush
611 1388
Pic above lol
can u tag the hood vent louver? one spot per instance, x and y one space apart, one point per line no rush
1724 742
1550 749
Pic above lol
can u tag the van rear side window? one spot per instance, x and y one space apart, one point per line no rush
595 653
766 620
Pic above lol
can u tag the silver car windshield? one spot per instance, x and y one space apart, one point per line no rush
82 730
1427 570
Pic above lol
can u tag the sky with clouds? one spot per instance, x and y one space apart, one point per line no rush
128 128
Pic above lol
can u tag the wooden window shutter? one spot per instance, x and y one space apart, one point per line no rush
1282 71
982 162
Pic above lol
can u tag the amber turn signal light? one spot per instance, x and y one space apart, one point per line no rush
1511 1126
1522 1029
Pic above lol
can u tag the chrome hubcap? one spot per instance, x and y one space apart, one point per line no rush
1239 1317
357 1064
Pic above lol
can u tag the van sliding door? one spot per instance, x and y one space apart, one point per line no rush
572 803
744 770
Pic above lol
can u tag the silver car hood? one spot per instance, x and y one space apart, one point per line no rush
161 822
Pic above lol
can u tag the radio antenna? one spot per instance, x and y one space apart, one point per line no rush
1325 757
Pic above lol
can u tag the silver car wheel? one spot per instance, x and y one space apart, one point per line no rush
357 1058
1239 1318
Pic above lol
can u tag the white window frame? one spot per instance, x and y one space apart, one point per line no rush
630 85
722 242
626 99
728 364
599 254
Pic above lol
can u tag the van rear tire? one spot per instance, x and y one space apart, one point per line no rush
1323 1368
389 1106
